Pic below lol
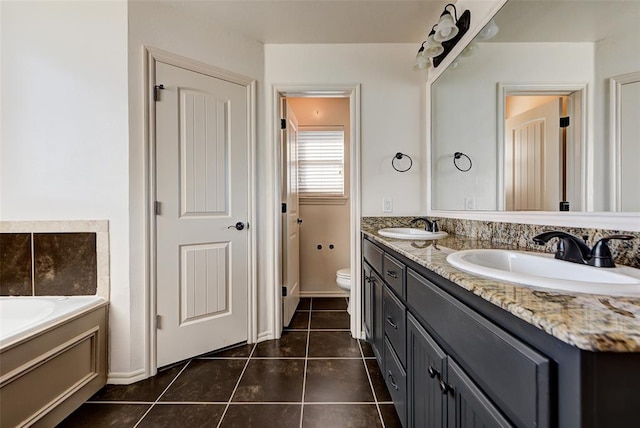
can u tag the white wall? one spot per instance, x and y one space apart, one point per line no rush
324 223
464 104
392 117
64 139
174 28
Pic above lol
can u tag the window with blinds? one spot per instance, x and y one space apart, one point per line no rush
321 161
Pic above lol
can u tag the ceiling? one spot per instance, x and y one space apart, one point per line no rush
319 21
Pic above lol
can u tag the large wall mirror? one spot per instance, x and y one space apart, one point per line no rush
544 108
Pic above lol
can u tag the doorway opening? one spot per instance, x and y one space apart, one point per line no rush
541 148
318 179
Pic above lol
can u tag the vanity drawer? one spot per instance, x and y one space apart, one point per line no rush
512 374
373 254
396 380
395 324
394 274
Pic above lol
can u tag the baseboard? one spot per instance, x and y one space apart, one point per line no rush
265 335
126 378
323 294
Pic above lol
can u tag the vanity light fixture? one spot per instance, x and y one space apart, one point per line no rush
422 61
446 28
429 49
434 47
462 26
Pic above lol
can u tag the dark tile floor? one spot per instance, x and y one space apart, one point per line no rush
315 375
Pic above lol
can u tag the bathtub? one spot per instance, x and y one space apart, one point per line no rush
53 356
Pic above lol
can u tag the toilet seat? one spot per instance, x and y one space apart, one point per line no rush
344 273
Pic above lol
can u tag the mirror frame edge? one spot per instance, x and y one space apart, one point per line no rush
601 220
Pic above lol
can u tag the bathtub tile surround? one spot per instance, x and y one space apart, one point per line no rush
15 264
519 236
65 264
310 377
587 321
61 258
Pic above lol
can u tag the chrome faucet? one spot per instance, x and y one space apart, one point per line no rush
429 225
573 249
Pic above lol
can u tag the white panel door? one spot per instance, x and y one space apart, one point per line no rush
291 219
532 159
202 268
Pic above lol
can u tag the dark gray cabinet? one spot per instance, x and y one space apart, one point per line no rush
497 370
440 393
457 379
377 340
426 362
367 301
468 407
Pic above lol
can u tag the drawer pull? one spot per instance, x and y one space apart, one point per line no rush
444 387
433 373
391 323
392 380
392 274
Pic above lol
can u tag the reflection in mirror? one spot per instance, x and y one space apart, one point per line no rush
502 100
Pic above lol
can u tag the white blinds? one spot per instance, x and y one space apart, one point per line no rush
321 162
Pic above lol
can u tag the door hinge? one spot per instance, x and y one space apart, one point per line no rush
284 291
158 322
156 92
283 123
564 122
156 207
284 208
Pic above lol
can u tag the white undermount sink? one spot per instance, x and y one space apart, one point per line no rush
411 233
544 271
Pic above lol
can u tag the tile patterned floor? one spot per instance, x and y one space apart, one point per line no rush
316 375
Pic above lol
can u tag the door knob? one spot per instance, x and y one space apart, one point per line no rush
238 226
299 221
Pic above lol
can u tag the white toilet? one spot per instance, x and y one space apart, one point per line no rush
343 279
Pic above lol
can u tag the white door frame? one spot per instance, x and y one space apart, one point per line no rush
352 92
578 145
615 135
151 57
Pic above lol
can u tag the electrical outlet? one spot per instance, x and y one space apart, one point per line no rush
387 205
469 203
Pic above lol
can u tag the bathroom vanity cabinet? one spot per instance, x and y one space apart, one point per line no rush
452 359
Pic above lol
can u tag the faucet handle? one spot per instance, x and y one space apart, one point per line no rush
601 253
434 226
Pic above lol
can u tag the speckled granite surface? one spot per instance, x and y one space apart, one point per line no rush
587 321
520 236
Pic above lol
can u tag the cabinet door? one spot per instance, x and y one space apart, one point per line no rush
378 326
367 292
426 366
468 406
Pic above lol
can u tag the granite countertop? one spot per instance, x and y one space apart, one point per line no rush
587 321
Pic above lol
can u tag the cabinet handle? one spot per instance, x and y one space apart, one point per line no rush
392 380
444 387
391 323
433 373
367 278
392 274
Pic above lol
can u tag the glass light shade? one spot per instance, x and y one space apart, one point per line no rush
433 48
422 62
446 28
488 32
